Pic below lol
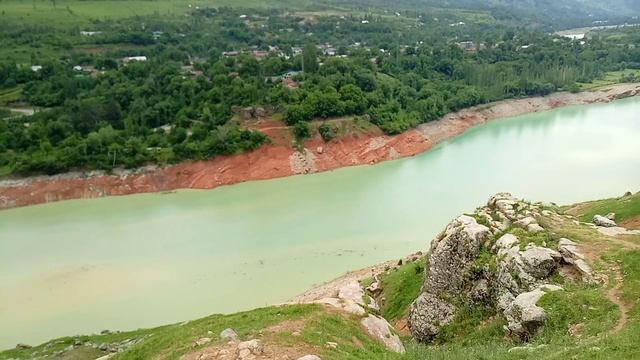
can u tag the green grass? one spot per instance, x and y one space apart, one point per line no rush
400 288
624 207
610 78
71 12
542 238
173 341
10 95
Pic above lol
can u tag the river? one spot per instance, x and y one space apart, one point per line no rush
82 266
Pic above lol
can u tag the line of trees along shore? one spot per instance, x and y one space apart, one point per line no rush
180 103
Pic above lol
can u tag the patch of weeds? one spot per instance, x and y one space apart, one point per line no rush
542 238
401 288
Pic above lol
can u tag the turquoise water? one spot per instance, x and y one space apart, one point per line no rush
143 260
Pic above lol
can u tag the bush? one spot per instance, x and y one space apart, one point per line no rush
295 114
327 131
302 130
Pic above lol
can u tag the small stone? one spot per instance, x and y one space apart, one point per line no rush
229 334
611 216
252 346
203 341
534 228
23 346
332 345
310 357
103 347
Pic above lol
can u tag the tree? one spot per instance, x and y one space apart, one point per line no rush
302 130
309 59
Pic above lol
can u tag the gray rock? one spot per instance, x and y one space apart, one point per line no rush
103 347
310 357
600 220
450 258
427 314
534 228
480 291
381 330
523 223
229 334
203 341
21 346
540 262
570 254
524 316
611 216
250 347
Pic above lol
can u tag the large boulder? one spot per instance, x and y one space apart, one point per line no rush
600 220
450 259
380 329
540 262
524 316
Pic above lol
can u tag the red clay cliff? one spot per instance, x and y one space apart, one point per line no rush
281 159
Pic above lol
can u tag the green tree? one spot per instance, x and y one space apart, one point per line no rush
309 59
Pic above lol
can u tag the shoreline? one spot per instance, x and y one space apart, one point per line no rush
275 161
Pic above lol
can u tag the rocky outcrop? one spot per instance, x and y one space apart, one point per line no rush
571 255
450 259
479 259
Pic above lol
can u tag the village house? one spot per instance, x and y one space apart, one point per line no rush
470 46
129 59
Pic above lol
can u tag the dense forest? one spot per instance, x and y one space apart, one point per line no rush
156 89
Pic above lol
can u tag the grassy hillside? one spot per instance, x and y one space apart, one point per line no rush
585 321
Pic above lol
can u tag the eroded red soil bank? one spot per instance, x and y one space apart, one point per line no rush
272 161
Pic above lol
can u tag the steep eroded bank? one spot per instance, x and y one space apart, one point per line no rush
276 160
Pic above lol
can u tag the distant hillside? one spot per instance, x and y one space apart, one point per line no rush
547 13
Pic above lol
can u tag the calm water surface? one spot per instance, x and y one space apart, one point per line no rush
138 261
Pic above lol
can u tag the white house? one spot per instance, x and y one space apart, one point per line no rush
134 58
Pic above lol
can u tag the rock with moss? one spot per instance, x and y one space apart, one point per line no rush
450 260
474 263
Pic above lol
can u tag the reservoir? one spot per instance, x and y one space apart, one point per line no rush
122 263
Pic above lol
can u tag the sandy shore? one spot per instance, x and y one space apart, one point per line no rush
276 160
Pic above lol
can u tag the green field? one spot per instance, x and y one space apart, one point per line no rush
609 79
72 12
10 95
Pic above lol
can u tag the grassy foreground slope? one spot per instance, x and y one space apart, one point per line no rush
585 321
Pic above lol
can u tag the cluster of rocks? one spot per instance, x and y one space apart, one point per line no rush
110 348
606 225
350 298
248 113
468 265
236 349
